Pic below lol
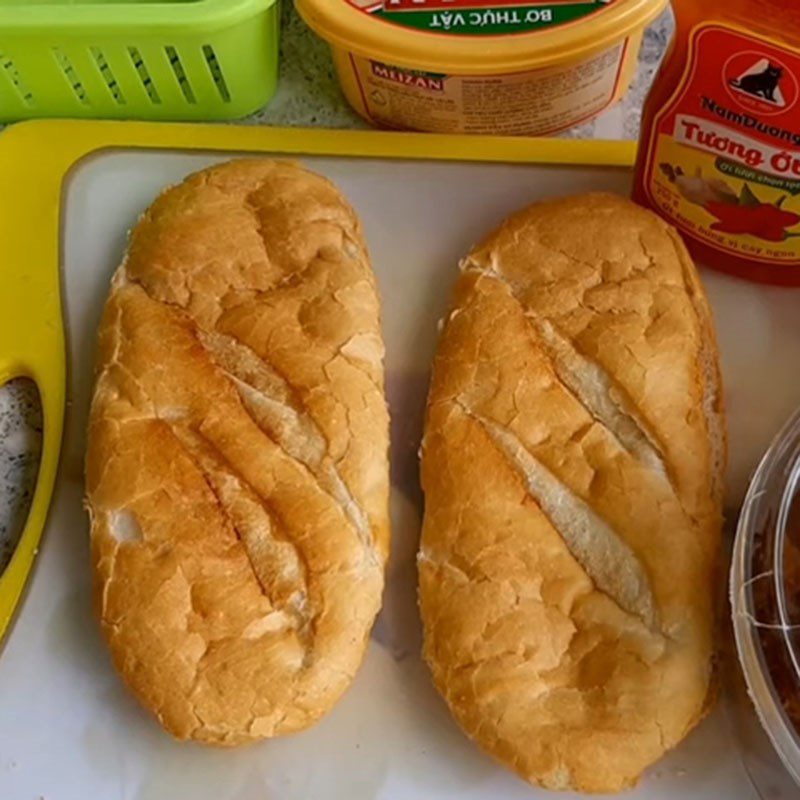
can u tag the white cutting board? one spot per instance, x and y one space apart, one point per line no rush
68 729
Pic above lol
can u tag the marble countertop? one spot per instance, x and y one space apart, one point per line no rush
308 95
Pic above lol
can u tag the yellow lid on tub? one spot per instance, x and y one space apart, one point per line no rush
476 36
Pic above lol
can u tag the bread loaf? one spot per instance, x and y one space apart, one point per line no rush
572 465
237 474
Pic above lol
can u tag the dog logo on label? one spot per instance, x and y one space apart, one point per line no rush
760 83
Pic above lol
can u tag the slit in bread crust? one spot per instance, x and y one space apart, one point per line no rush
590 384
594 388
254 524
604 555
267 398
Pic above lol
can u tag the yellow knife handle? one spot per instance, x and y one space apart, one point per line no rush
31 325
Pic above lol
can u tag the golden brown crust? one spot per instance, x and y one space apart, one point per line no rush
572 467
237 474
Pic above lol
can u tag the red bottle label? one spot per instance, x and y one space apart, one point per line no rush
723 160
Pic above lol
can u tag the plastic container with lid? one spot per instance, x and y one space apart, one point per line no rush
765 600
516 67
720 151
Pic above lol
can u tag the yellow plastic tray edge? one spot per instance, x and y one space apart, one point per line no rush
72 139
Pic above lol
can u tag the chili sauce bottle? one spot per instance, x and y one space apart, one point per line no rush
719 156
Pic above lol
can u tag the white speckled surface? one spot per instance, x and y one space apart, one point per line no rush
308 95
20 442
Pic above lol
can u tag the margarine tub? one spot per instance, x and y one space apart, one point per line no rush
482 66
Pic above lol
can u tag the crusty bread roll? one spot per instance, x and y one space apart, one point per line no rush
572 465
237 473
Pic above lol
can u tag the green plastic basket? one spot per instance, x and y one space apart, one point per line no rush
162 59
